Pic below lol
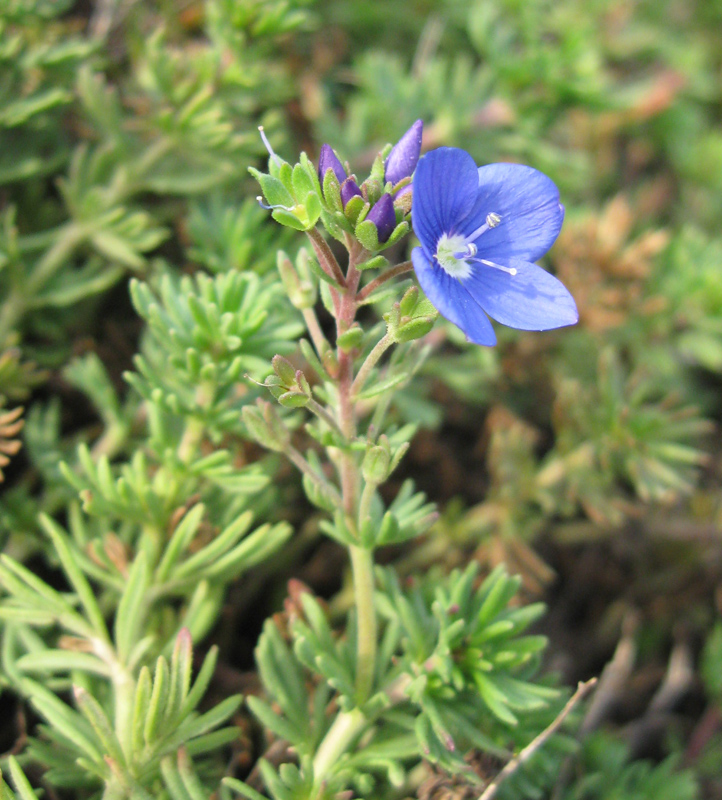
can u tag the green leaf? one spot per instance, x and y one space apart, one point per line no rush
63 661
21 783
157 706
75 575
132 607
94 713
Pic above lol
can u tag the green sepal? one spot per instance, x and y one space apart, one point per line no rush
409 301
284 370
415 328
367 233
302 184
275 193
282 171
301 217
335 223
332 191
289 219
398 233
377 262
378 168
356 209
293 399
374 187
310 169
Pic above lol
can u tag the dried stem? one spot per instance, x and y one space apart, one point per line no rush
512 766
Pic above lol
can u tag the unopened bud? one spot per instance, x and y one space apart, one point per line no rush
408 302
375 467
285 370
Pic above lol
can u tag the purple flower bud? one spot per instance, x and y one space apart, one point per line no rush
329 160
404 155
349 189
383 217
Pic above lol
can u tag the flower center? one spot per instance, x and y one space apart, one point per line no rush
450 253
454 252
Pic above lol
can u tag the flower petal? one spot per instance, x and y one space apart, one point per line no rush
383 216
531 300
445 187
328 160
527 202
349 189
404 155
452 300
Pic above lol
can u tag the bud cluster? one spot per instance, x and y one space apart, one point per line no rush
374 212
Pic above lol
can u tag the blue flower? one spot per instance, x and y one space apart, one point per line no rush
480 230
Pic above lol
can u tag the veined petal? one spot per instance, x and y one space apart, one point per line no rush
530 300
445 188
452 300
527 202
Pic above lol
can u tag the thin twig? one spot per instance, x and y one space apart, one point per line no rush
323 414
614 676
293 455
583 688
371 360
314 330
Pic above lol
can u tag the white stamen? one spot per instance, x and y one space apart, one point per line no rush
510 270
267 144
492 220
260 202
455 254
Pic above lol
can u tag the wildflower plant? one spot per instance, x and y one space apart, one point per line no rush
425 672
172 450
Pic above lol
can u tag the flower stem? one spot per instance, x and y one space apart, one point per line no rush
326 258
362 566
371 360
346 727
371 287
314 330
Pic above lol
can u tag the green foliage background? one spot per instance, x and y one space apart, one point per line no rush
139 302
